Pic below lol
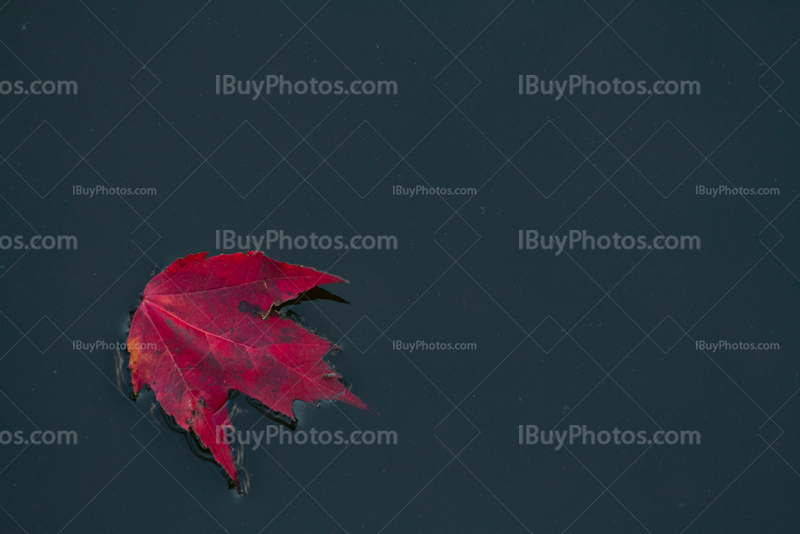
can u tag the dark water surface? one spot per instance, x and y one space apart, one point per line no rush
624 337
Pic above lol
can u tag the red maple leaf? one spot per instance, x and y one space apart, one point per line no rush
207 326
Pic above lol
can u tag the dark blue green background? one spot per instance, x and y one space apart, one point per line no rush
605 339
